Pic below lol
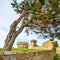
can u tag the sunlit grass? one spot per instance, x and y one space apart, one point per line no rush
23 49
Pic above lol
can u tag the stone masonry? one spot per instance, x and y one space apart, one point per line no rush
22 44
48 45
33 43
32 55
58 50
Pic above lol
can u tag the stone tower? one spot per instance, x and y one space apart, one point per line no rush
32 44
22 44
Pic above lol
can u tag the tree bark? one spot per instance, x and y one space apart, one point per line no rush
13 33
11 37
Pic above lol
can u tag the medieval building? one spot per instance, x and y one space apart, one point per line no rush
22 44
48 45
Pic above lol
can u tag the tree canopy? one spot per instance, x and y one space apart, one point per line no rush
45 17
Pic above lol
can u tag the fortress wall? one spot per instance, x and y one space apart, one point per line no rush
33 55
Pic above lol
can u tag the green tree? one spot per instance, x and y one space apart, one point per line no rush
37 16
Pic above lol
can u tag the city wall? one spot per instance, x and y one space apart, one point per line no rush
32 55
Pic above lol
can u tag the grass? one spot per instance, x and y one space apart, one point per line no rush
23 49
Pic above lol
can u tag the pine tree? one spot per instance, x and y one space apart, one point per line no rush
37 16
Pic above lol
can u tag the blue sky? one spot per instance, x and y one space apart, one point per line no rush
7 16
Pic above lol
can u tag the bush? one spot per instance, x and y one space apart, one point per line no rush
57 57
55 44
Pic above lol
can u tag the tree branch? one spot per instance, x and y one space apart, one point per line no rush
22 26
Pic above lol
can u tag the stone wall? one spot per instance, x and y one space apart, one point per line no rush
22 44
33 55
49 45
58 50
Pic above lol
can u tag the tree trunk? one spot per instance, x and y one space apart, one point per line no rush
11 36
13 33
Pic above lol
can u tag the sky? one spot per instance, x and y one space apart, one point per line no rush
7 16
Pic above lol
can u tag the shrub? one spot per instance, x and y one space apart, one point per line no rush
57 57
